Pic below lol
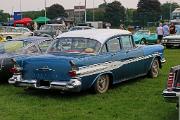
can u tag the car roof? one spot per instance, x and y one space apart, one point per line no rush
100 35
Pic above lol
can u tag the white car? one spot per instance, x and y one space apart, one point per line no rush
8 32
172 40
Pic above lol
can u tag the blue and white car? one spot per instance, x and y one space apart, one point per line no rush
96 58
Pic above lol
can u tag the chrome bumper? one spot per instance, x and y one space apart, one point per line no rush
74 85
163 60
170 96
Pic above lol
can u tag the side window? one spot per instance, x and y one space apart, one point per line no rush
44 45
113 45
31 50
126 42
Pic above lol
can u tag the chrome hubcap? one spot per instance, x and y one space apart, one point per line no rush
155 68
102 83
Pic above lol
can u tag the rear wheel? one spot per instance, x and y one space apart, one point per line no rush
154 71
8 37
102 84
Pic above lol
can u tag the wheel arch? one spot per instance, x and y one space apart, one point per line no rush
159 61
8 37
109 73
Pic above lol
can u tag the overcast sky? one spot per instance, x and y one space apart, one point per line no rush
26 5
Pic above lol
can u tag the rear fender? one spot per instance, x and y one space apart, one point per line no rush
110 75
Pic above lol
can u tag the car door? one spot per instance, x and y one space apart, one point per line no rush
117 56
134 61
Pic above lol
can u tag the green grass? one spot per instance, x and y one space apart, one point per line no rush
138 99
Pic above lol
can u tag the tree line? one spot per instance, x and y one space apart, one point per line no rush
148 11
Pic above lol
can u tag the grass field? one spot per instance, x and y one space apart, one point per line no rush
138 99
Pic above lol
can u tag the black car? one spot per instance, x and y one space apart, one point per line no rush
50 30
17 48
173 85
172 40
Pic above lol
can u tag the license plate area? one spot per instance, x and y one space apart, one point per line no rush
43 83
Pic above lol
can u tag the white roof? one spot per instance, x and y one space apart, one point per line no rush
177 10
100 35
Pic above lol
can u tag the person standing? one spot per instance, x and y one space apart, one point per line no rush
160 33
165 30
172 29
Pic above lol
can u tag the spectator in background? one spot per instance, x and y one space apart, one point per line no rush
165 30
160 33
172 29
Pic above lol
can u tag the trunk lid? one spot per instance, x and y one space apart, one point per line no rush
47 67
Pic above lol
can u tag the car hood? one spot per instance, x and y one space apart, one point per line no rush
42 31
38 32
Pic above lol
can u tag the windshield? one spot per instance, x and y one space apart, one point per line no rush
46 27
12 46
75 45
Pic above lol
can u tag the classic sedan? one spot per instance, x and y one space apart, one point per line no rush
83 59
17 48
172 40
145 37
8 32
172 90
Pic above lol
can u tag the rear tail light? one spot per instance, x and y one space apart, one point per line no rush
170 81
178 85
15 70
72 73
74 69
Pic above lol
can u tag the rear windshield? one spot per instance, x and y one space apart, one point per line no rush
75 45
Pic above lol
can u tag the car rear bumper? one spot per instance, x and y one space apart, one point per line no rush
163 60
170 96
74 85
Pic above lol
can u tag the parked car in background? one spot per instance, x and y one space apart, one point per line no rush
145 37
19 48
8 32
50 30
2 39
173 85
83 59
172 40
80 28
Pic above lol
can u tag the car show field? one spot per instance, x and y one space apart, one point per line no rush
138 99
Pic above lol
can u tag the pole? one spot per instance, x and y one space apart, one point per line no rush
93 10
85 13
45 11
170 10
20 8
